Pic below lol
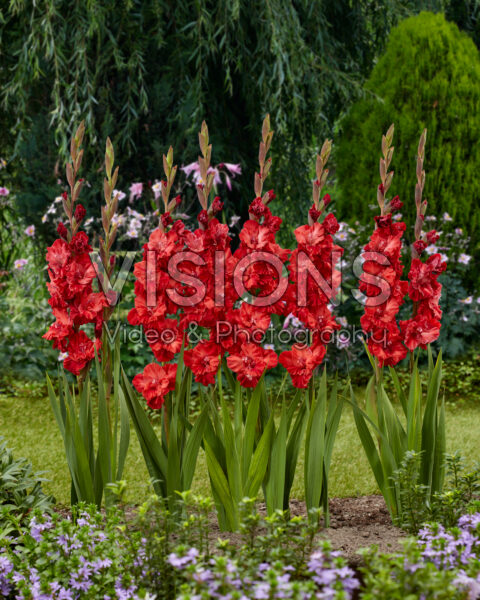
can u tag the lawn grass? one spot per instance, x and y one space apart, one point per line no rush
28 425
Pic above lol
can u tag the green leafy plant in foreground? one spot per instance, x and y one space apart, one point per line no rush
170 458
20 491
259 445
461 493
93 471
386 439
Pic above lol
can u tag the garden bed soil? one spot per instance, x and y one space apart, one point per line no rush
354 523
361 522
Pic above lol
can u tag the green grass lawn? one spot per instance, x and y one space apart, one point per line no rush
28 424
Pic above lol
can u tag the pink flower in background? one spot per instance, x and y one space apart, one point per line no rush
464 259
190 168
4 191
136 190
30 231
20 263
234 169
193 169
121 195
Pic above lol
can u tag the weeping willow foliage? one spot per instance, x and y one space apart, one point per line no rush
429 76
147 72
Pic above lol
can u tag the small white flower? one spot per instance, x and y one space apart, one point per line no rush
62 356
132 233
30 231
58 199
464 318
464 259
447 217
135 224
459 231
44 218
88 222
269 347
234 220
343 321
432 249
397 217
431 218
342 236
135 214
444 257
467 300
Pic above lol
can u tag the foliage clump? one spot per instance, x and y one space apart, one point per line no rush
20 491
428 77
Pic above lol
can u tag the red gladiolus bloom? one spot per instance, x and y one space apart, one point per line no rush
155 382
80 213
420 331
250 362
203 361
386 344
81 351
423 277
301 362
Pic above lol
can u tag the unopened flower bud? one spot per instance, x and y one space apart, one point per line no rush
314 213
203 217
178 200
396 204
271 195
326 200
62 231
381 188
217 205
419 246
80 213
166 219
